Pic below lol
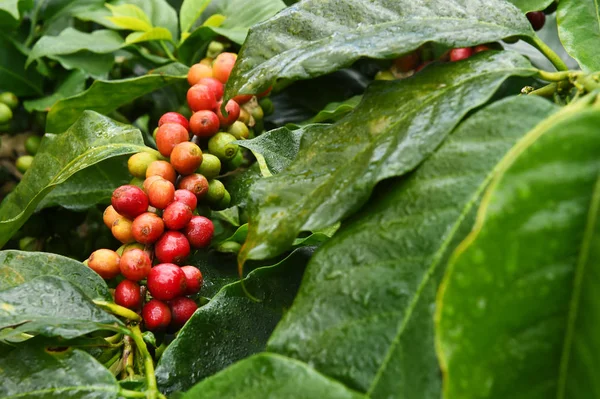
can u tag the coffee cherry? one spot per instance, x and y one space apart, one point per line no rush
161 193
407 62
138 164
182 309
480 48
174 117
162 169
459 54
194 279
122 230
537 19
245 117
204 123
233 112
147 228
267 106
172 247
128 294
186 157
215 193
223 65
156 315
195 183
135 265
210 166
224 203
186 197
222 146
104 262
137 183
109 216
199 232
129 201
197 72
200 97
239 130
177 215
9 99
265 93
231 247
6 113
168 136
166 281
32 144
135 245
242 98
216 86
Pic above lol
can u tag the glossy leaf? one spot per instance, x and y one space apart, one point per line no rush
106 96
94 65
152 34
92 139
335 111
32 372
240 183
517 310
314 37
13 75
190 11
363 314
579 31
72 85
268 375
231 326
52 307
160 12
17 267
129 16
397 125
278 148
531 5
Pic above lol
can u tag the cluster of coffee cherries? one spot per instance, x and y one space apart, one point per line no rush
158 216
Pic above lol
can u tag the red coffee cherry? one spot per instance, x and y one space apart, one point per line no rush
172 247
199 231
161 193
109 216
182 309
537 19
135 265
459 54
129 201
215 86
242 98
162 169
480 48
187 197
223 65
197 72
168 136
407 62
196 183
156 315
194 279
233 112
265 93
122 230
104 262
166 281
174 117
147 228
128 294
177 215
186 157
201 97
204 123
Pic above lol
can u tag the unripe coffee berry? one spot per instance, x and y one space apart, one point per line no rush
104 262
168 136
23 163
239 130
222 145
223 65
156 315
201 97
182 309
128 294
199 232
210 166
129 201
194 279
166 281
233 113
122 230
174 117
215 193
186 157
177 215
459 54
161 193
204 123
172 247
162 169
197 72
216 86
138 164
134 245
135 265
187 197
109 216
147 228
224 203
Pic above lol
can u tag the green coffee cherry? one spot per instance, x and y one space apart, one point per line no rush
214 48
136 181
384 75
154 133
267 105
138 163
222 146
231 247
216 191
6 113
236 161
28 244
239 130
9 99
257 112
23 163
32 144
224 203
210 166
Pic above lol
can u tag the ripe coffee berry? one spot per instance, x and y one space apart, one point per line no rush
109 216
537 19
480 48
177 215
186 157
214 85
223 65
104 262
210 166
156 315
182 309
168 136
459 54
174 117
172 247
204 123
197 72
161 193
166 281
201 97
187 197
135 265
147 228
199 231
138 163
194 279
195 183
122 230
242 98
128 294
129 201
233 112
407 62
162 169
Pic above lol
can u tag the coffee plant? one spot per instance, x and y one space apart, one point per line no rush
312 199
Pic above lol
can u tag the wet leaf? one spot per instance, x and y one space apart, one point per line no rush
579 31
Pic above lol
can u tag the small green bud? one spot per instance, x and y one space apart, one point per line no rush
210 166
267 105
32 144
138 163
384 75
231 247
222 146
9 99
24 163
6 113
239 130
215 193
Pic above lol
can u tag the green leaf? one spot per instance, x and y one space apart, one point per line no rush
51 10
160 12
364 312
17 267
396 126
51 306
314 37
11 12
517 310
215 20
268 375
90 140
532 5
71 41
579 31
94 65
190 11
240 183
152 34
106 96
277 147
14 76
30 371
335 111
129 16
231 326
72 85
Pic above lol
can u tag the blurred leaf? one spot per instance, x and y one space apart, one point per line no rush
160 12
214 20
72 85
129 16
14 77
152 34
190 11
579 31
532 5
11 12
